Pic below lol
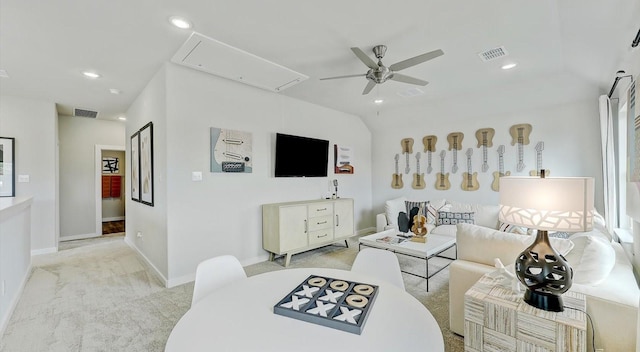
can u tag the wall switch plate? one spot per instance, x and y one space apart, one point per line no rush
196 176
23 178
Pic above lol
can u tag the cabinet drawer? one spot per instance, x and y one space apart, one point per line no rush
320 236
321 222
320 209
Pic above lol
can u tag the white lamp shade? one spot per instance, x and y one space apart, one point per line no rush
552 204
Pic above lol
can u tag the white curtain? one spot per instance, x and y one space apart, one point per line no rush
608 164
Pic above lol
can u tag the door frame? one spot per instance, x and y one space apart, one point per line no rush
98 181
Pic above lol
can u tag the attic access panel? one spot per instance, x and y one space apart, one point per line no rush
212 56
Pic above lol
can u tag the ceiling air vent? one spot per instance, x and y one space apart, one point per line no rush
493 54
209 55
85 113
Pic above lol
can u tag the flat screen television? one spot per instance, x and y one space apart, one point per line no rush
298 156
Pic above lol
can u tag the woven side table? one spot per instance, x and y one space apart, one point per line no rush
497 319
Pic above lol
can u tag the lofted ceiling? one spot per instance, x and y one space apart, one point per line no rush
45 45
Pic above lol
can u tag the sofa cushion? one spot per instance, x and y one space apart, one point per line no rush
592 259
485 215
392 208
454 218
482 245
445 230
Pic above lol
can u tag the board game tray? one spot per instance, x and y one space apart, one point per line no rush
335 303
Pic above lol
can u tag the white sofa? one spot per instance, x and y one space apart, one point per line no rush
485 215
602 272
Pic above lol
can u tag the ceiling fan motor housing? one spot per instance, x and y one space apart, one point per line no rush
379 75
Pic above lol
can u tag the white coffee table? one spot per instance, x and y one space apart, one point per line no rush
432 247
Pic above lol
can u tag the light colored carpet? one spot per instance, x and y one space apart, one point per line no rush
98 295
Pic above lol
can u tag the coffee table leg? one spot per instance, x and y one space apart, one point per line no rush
426 260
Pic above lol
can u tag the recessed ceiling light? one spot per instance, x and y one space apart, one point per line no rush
90 74
378 101
115 91
508 66
180 22
122 118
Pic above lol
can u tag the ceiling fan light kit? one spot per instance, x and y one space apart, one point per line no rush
379 73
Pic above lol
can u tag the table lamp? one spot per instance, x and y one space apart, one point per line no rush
546 204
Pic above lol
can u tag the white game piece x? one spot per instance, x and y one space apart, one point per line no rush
307 291
295 303
331 296
321 308
348 315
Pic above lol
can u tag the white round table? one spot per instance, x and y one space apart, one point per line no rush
239 317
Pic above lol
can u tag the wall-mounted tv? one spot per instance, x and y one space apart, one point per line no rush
298 156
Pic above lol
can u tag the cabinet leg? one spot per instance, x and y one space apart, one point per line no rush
271 257
287 260
346 244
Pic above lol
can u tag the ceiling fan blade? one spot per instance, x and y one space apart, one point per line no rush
406 79
416 60
347 76
369 87
364 58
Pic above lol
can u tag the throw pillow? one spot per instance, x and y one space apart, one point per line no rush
433 208
520 230
410 204
592 259
392 208
451 218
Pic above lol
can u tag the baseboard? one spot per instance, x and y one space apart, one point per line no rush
153 268
14 302
181 280
115 218
83 236
44 251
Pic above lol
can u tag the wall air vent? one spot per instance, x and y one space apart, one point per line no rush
493 54
209 55
85 113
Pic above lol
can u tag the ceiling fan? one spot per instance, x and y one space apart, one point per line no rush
379 73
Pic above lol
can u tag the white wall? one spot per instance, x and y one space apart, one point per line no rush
78 137
33 124
222 214
150 222
113 208
570 133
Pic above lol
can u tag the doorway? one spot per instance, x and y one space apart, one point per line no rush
111 171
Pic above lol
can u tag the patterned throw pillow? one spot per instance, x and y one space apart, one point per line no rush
433 210
451 218
410 204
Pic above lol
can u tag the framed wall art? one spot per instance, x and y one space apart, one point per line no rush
146 164
231 151
7 167
110 165
135 167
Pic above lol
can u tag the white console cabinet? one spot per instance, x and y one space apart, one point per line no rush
294 227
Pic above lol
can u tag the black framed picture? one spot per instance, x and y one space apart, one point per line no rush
7 167
146 164
135 166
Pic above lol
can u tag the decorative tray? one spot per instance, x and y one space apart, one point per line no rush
336 303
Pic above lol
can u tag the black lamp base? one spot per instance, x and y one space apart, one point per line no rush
548 301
